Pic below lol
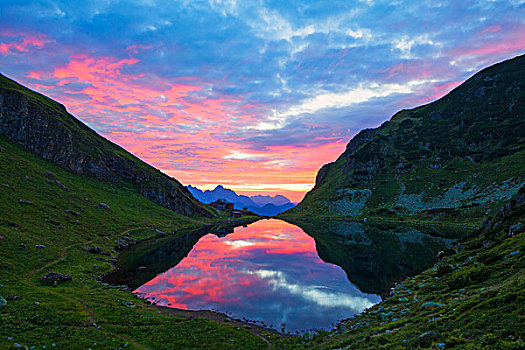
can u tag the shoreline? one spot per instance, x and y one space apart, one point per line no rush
216 316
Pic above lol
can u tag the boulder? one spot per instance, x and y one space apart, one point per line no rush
96 250
515 229
103 206
55 278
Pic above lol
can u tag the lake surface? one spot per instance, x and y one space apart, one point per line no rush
269 271
290 277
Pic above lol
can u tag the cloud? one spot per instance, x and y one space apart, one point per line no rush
20 43
249 93
336 100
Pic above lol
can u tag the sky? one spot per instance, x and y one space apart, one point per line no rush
253 95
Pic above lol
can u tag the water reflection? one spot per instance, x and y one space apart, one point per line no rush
375 255
269 272
276 272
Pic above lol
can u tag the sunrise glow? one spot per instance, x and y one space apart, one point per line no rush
254 97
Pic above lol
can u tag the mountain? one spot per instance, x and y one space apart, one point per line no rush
455 159
221 192
275 200
45 128
261 205
271 209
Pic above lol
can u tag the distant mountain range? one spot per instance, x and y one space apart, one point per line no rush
262 205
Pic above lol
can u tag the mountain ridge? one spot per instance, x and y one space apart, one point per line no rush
454 159
259 204
44 127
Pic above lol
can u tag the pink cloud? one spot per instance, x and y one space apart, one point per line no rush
177 126
23 43
480 50
491 29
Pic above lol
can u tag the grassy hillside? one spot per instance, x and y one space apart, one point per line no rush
473 298
47 217
45 128
456 159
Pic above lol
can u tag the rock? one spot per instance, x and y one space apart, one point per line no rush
103 206
515 229
58 183
36 303
227 319
23 246
26 177
49 174
3 302
143 268
96 250
55 277
430 304
441 345
72 212
6 185
41 246
94 265
13 297
427 334
21 201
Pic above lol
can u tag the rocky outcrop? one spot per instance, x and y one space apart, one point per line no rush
45 128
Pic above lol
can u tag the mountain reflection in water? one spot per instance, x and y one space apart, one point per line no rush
271 271
268 271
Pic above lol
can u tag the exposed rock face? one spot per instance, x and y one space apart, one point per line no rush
45 128
459 157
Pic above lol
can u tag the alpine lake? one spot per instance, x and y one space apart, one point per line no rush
294 277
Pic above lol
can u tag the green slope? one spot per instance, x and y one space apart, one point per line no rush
65 217
45 128
473 298
456 159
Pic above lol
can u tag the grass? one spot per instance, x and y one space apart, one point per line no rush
471 299
65 219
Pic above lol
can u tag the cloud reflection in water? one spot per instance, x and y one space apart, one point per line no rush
269 272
